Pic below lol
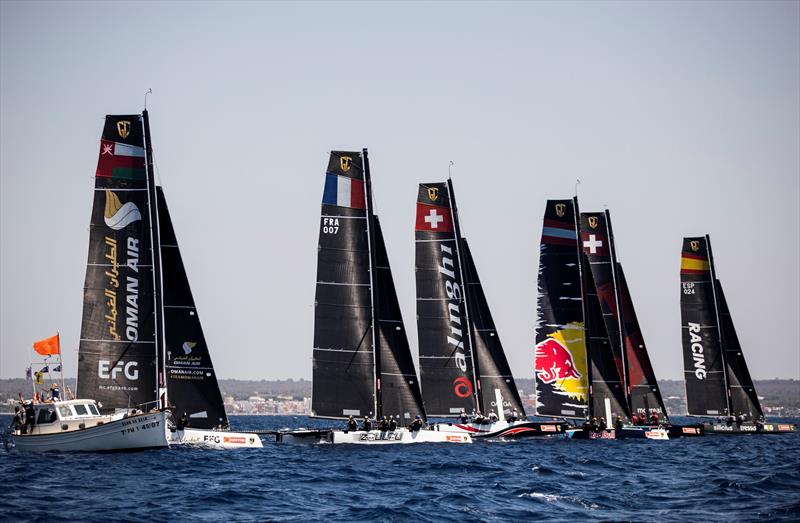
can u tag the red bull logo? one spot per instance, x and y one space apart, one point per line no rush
554 362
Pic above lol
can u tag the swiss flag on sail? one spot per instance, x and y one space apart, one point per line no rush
433 218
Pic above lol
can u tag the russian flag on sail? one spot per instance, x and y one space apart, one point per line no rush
344 192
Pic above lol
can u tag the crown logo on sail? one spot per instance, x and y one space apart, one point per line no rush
345 162
593 222
118 216
433 193
560 209
123 128
695 245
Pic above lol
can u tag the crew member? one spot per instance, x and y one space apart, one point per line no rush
55 393
416 424
479 419
634 419
383 424
602 424
392 423
654 418
367 423
182 422
463 416
618 423
352 424
30 417
492 417
514 416
18 421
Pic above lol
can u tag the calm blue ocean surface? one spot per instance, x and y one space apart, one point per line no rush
714 478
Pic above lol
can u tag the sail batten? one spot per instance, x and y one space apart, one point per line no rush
560 360
117 354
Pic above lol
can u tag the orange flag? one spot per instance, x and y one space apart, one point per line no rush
47 346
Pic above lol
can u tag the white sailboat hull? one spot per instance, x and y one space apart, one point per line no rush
214 439
399 436
505 429
141 431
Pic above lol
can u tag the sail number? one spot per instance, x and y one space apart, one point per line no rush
688 287
330 225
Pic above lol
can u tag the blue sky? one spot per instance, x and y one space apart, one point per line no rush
682 118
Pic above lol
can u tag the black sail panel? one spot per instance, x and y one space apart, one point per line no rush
597 247
117 351
401 396
191 380
703 367
645 396
445 355
494 371
744 399
344 363
606 388
562 387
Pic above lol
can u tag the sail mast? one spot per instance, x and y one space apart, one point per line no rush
620 324
719 325
476 383
581 256
155 249
373 287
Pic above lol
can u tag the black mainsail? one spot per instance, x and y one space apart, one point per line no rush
717 379
703 364
445 348
118 351
190 377
462 362
604 348
362 363
562 374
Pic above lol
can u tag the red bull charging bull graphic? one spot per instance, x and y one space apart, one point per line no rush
554 362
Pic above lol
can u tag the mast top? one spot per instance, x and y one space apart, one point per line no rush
149 91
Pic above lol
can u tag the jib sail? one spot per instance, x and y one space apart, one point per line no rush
703 364
742 393
445 355
191 380
562 377
494 371
117 355
344 361
400 391
644 394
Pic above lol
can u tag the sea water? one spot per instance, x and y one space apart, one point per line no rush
712 478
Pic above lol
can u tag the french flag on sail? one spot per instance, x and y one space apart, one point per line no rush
343 191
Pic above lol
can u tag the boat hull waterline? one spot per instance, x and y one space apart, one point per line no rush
504 429
214 439
371 437
137 432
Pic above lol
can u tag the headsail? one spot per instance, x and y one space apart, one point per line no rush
494 371
400 391
562 377
117 356
645 396
703 364
344 362
741 391
445 355
190 376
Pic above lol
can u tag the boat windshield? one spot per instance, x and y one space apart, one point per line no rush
64 411
93 409
80 410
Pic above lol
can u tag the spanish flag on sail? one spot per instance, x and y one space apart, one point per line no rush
694 256
48 346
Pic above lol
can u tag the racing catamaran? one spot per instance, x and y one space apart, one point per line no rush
718 383
362 361
463 367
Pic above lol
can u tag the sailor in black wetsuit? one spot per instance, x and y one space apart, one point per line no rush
383 424
392 423
182 422
352 424
514 416
416 424
618 423
367 424
602 424
463 416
